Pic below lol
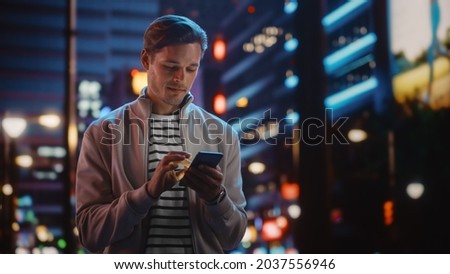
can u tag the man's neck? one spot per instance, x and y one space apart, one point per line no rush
160 107
163 109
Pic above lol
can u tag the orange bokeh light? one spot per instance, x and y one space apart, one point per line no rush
290 191
220 103
219 49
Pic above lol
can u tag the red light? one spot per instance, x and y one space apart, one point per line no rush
251 9
220 103
271 231
336 215
388 212
290 191
219 49
133 72
282 223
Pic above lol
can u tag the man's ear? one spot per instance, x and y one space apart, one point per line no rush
144 59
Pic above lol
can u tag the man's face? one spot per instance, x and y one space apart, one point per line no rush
170 74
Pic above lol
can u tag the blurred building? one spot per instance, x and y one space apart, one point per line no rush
387 68
34 76
251 86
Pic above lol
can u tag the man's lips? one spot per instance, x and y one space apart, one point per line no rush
181 89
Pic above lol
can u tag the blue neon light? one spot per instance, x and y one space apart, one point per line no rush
291 81
351 94
340 13
240 68
291 44
349 52
105 110
293 118
249 91
290 6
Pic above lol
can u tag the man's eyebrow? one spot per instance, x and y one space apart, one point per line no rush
177 63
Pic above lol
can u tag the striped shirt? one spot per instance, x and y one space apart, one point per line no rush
170 227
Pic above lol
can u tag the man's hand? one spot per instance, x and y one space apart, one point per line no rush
205 180
166 175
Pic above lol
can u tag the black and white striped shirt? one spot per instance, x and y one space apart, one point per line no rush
170 227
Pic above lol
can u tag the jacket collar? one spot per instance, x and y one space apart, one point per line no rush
142 106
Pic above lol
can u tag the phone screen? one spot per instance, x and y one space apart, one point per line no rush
208 158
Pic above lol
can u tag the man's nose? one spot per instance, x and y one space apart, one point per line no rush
178 75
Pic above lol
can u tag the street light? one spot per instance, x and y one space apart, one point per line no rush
14 126
49 120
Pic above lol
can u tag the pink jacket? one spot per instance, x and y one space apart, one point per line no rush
111 202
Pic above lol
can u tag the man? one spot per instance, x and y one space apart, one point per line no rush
129 199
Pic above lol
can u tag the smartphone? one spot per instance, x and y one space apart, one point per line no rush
208 158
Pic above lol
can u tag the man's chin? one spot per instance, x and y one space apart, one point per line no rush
174 101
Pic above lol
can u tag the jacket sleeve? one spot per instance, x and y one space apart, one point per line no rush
228 218
103 219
